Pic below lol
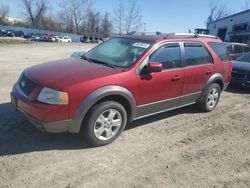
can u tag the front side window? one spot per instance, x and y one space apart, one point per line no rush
118 52
194 54
168 55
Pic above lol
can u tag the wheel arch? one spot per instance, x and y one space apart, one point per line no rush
215 78
113 93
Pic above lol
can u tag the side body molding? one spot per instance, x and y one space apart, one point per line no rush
89 101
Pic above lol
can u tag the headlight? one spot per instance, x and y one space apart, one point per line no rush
51 96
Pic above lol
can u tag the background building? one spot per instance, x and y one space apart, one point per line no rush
233 28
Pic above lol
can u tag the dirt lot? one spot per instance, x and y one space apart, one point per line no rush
181 148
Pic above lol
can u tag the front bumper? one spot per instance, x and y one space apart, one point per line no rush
50 118
51 127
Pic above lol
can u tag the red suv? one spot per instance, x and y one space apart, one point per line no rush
121 80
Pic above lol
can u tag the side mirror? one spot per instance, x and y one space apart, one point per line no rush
155 66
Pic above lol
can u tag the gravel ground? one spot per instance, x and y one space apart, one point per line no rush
181 148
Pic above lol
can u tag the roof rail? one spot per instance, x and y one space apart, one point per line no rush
189 35
145 33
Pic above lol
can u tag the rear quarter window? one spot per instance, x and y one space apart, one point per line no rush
220 50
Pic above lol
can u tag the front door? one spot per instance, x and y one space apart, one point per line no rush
159 91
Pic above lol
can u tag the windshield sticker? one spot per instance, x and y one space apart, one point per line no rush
141 45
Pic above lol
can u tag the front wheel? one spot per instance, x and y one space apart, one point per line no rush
104 123
211 97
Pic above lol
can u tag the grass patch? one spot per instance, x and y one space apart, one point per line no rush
4 41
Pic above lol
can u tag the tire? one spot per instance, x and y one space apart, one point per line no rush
104 123
210 98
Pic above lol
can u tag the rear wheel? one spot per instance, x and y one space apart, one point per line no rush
211 97
104 123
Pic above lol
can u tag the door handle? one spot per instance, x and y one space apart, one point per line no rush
209 72
176 77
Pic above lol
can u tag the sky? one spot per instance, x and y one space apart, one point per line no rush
159 15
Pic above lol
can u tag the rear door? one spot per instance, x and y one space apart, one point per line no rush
199 67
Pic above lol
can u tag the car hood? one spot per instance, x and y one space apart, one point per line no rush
62 73
240 65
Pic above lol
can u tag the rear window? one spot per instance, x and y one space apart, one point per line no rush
220 50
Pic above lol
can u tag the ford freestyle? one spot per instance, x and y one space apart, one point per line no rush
121 80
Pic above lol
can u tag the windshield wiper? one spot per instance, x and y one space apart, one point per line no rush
97 62
104 63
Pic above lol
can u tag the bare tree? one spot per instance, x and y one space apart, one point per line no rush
133 19
4 11
127 18
35 11
106 26
92 23
74 12
217 11
119 14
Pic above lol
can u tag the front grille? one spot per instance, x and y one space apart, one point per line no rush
237 74
26 85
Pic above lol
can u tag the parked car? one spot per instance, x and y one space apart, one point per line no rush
19 34
95 39
235 50
79 54
10 33
3 33
241 71
29 36
121 80
64 39
55 38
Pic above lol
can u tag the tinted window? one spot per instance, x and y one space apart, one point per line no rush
194 54
245 57
230 49
169 55
220 50
208 57
238 49
246 49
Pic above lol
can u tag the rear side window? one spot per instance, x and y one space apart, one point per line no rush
220 50
196 54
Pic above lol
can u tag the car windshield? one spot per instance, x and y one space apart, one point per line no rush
118 52
245 57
